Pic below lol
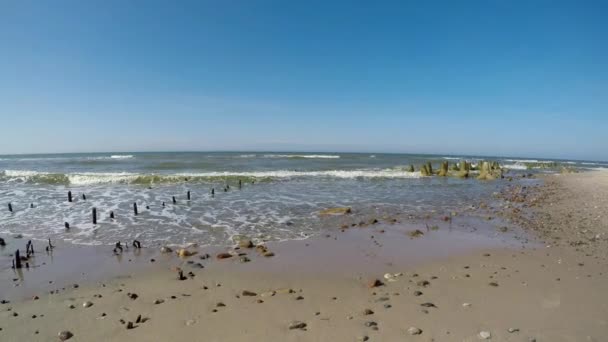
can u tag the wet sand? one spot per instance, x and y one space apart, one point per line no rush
451 283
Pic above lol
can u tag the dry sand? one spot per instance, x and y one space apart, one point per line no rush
452 285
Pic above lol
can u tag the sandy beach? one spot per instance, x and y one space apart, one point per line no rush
538 275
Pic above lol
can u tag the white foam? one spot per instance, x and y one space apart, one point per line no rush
121 156
454 158
310 156
515 167
247 156
88 178
530 161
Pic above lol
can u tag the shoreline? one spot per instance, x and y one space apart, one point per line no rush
514 292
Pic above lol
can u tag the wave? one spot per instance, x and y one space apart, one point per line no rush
89 178
454 158
121 156
515 166
247 156
530 161
302 156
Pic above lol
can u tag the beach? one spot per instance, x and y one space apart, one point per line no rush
377 281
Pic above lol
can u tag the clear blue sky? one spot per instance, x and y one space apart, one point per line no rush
494 77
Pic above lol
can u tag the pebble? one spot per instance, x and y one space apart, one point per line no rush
362 338
368 312
159 301
370 324
130 326
414 331
484 335
65 335
466 305
87 304
249 293
297 325
513 330
190 322
417 293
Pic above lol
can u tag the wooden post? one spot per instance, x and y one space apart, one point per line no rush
84 197
66 225
163 204
17 259
112 215
135 208
10 207
69 196
240 184
31 205
174 201
212 192
94 215
188 195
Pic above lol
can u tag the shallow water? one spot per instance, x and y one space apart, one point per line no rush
280 196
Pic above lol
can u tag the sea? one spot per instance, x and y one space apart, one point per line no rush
209 198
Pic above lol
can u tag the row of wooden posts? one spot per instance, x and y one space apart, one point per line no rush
84 197
17 261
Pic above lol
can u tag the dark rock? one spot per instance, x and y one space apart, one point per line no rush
297 325
65 335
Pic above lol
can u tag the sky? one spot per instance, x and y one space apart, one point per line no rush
492 77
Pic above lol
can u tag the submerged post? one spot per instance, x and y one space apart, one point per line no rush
10 207
112 215
66 225
174 201
84 197
188 195
135 208
69 196
94 215
212 192
240 184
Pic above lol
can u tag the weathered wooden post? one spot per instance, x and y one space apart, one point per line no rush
94 215
17 259
188 195
66 225
174 201
135 208
240 184
10 207
212 192
31 205
69 196
84 197
112 215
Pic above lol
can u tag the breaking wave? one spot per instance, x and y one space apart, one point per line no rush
87 178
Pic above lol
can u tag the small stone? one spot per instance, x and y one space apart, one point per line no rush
130 325
245 243
466 305
374 283
244 259
249 293
133 296
65 335
87 304
221 256
297 325
190 322
72 306
268 294
513 330
414 331
417 293
368 312
268 254
159 301
428 305
370 324
362 338
484 335
220 305
493 284
166 249
423 283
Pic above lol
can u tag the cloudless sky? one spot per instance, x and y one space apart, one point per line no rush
492 77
